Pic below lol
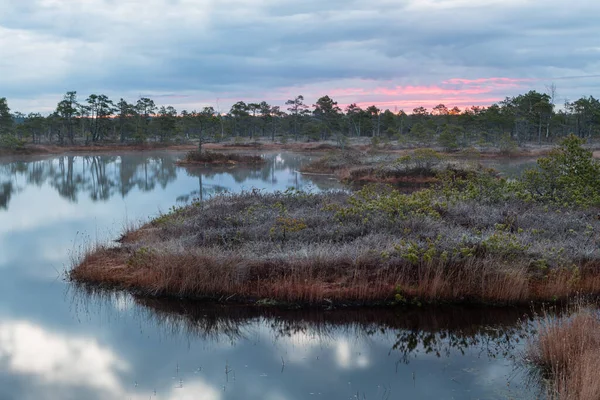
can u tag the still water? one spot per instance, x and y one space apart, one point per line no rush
510 168
57 342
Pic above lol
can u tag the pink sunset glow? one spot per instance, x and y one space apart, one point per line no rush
452 92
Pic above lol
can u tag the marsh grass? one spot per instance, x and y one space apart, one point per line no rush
335 161
421 166
566 353
373 247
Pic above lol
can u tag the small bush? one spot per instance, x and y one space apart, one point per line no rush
569 176
11 142
448 138
373 200
507 145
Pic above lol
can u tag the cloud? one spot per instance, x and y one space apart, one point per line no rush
239 49
76 367
28 349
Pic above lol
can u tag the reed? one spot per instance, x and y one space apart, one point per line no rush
566 351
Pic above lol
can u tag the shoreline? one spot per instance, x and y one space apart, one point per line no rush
50 149
309 147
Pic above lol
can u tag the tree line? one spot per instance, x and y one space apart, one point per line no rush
531 117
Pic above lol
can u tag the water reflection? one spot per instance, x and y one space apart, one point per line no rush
60 344
243 352
56 359
103 176
438 331
510 168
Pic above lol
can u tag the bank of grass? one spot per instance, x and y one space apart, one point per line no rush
421 166
374 247
196 157
566 353
473 238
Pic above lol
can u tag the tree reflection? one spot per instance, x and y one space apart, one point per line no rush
441 331
6 190
101 177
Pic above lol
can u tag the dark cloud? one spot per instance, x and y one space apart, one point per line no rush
242 47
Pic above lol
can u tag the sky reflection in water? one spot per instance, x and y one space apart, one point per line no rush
59 342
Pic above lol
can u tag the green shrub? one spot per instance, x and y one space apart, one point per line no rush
11 142
375 141
448 138
422 161
568 177
470 153
426 158
391 203
483 185
507 145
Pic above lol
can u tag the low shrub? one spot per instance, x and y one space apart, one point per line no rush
11 142
568 177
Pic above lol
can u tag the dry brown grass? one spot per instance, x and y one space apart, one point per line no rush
567 351
334 162
378 174
352 166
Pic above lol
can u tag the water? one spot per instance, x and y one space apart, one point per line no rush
57 342
511 168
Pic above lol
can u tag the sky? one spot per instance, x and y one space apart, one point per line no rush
396 54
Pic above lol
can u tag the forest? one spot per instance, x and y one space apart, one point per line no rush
527 118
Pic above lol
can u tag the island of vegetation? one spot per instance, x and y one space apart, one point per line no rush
199 157
472 237
421 166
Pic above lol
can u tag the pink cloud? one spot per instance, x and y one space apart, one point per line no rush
429 103
453 92
432 90
460 92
